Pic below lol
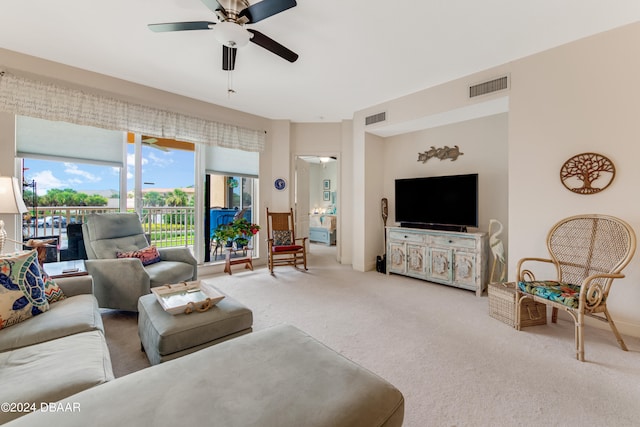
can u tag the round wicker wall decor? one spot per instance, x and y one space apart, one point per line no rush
587 173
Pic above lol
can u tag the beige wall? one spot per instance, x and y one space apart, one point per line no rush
484 144
330 139
584 96
577 98
276 160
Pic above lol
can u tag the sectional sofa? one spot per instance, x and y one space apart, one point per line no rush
55 354
275 377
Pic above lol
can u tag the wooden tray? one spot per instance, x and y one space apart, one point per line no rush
187 297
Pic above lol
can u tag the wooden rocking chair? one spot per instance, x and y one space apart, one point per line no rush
588 252
284 248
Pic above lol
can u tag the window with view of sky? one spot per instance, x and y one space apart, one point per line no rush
165 169
60 156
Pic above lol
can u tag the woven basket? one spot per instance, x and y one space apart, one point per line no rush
502 306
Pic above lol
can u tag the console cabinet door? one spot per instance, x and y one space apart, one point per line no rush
440 265
416 261
464 269
396 258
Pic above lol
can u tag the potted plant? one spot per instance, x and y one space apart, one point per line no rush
239 231
243 230
225 234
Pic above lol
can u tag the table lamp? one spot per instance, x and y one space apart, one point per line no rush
10 203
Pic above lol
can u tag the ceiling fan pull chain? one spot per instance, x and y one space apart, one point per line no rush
230 90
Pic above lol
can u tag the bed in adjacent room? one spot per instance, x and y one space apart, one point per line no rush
322 229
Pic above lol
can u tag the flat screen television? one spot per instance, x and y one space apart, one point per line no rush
439 202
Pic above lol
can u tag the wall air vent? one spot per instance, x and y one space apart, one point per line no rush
375 118
488 87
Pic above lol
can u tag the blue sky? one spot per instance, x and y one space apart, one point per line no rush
171 169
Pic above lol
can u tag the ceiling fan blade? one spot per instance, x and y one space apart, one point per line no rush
151 142
266 8
272 46
214 6
181 26
228 57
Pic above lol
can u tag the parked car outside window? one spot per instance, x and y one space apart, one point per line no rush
59 221
56 221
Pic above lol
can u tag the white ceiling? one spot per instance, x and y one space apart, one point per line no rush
353 53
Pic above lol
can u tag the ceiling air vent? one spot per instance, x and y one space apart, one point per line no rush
488 87
375 118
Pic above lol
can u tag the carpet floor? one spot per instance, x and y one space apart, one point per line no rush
455 365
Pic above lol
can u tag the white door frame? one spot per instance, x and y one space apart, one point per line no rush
338 193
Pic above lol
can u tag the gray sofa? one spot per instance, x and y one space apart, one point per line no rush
278 377
56 354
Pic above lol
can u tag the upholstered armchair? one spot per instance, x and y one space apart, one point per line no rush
116 250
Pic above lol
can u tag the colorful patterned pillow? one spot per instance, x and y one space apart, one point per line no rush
281 237
21 288
52 289
148 255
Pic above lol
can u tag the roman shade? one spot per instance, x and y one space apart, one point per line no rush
48 140
227 161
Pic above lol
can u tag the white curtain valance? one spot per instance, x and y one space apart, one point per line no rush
28 97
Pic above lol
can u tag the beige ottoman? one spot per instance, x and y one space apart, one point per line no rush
277 377
164 336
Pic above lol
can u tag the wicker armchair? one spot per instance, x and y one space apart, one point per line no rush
283 245
588 252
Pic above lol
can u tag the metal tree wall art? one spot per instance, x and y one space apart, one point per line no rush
445 152
587 173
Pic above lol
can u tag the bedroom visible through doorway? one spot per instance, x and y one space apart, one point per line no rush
317 201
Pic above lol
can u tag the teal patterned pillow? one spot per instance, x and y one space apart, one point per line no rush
281 237
22 293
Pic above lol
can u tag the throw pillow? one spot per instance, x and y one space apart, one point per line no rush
148 255
52 289
281 237
21 288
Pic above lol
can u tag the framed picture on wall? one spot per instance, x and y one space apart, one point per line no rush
326 185
326 195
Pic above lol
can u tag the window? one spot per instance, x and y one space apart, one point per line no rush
160 187
230 196
233 186
68 172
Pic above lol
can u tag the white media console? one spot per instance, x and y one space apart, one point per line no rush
446 257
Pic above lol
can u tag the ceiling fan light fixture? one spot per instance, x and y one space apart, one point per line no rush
231 35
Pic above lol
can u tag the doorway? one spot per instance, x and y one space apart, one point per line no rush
317 202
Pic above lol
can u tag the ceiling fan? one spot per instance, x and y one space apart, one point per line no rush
230 29
152 142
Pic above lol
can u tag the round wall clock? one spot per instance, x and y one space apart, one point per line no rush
280 184
587 173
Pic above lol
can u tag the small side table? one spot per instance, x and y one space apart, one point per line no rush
228 261
56 270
